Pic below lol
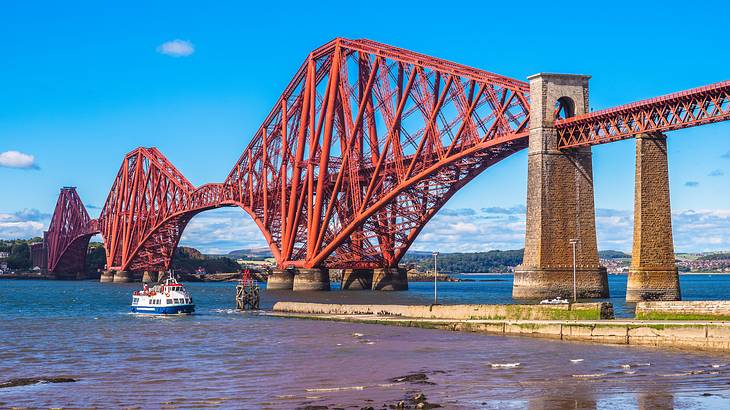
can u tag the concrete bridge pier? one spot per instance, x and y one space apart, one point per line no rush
311 279
394 278
653 272
280 279
123 276
357 279
107 276
560 204
149 277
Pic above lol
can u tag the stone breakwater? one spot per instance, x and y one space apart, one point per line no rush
703 335
458 312
684 310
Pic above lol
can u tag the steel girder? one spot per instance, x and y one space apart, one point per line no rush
149 205
68 235
365 144
684 109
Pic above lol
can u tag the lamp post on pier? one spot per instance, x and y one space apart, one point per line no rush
575 286
435 279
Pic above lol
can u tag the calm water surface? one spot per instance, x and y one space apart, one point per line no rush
219 358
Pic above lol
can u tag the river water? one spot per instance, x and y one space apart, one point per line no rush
219 358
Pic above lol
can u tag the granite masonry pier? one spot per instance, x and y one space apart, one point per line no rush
560 204
583 322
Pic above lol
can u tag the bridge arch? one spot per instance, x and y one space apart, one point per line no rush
156 250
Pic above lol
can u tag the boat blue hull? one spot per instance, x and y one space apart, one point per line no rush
164 310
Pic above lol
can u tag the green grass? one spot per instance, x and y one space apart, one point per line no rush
680 316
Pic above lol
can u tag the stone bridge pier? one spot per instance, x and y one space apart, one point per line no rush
560 203
385 279
299 279
653 272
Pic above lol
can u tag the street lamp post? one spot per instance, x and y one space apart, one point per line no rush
575 286
435 279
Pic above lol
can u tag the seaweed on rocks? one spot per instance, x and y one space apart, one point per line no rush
35 380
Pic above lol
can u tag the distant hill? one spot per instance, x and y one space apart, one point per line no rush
189 253
612 255
252 253
474 262
481 262
714 256
187 260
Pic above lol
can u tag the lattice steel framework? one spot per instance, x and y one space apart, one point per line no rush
68 235
684 109
149 205
364 146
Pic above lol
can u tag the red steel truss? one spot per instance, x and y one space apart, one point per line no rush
149 205
684 109
68 235
364 146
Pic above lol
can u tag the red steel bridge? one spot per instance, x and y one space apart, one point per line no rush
364 146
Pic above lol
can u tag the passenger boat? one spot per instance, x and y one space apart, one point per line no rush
168 298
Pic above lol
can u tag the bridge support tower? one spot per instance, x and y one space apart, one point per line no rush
311 279
394 278
357 279
560 204
653 272
150 277
280 279
123 276
106 276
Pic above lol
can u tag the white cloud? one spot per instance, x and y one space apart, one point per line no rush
176 48
473 230
24 224
221 231
17 159
464 230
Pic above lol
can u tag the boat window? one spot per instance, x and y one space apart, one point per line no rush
169 301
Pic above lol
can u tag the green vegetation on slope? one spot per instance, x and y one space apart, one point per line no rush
187 260
481 262
19 250
714 257
477 262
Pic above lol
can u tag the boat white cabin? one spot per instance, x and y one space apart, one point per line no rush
168 298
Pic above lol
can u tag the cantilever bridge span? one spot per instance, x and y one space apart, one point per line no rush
364 146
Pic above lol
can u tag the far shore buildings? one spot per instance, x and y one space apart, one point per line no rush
4 260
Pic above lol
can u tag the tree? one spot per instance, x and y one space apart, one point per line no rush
19 256
95 258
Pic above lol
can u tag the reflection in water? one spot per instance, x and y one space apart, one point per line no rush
549 403
655 400
222 358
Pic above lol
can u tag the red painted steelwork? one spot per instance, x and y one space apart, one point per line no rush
68 235
149 205
364 146
684 109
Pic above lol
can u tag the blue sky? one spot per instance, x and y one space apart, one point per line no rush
83 83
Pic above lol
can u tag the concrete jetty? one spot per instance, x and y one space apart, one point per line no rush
526 320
